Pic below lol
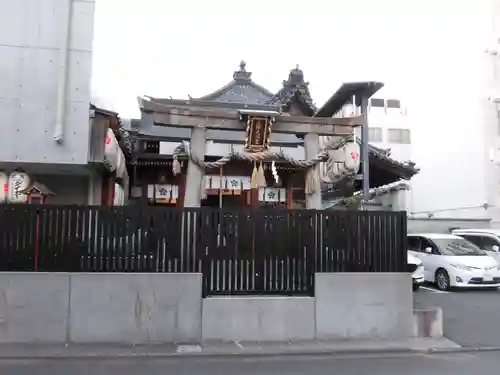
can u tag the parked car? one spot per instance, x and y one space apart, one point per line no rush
417 271
486 239
452 261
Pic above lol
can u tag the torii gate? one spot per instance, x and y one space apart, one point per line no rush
200 119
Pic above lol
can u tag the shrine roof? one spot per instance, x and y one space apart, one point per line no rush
295 88
242 89
345 94
373 193
38 186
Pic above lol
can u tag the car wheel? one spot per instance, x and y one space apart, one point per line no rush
442 280
416 287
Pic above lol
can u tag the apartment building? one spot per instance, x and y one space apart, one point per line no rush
389 127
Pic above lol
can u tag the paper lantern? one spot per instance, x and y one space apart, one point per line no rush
4 187
111 149
18 181
119 196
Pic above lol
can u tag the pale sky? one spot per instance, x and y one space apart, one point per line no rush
176 48
429 53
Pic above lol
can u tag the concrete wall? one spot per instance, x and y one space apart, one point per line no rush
258 318
428 323
34 307
31 41
68 189
100 308
162 308
135 308
438 225
363 305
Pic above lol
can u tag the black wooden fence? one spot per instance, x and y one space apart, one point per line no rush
264 251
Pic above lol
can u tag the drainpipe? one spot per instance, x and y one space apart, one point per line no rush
62 75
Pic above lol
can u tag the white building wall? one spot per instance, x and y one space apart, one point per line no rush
388 114
455 127
491 111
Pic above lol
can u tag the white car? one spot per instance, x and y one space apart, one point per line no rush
417 271
486 239
451 261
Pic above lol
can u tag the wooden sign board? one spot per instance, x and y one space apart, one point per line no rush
258 134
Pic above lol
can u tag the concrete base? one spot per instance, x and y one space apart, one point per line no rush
135 308
428 323
165 308
100 308
258 318
363 305
34 307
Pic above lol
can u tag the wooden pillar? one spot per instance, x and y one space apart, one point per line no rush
254 197
108 190
311 144
182 189
194 179
289 194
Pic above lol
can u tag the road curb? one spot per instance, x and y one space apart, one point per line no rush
465 349
255 354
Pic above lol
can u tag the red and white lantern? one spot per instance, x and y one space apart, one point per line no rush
18 181
4 187
111 149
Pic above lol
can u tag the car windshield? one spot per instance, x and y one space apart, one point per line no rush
457 246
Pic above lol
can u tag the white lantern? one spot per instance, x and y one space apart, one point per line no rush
4 187
119 196
351 157
18 181
120 164
111 150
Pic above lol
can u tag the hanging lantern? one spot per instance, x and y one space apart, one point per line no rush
351 157
120 164
4 187
118 199
111 149
18 181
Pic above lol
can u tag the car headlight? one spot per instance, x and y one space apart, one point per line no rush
461 267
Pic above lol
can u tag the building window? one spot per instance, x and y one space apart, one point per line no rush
377 103
375 134
399 136
393 103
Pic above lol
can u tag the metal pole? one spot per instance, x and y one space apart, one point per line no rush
364 149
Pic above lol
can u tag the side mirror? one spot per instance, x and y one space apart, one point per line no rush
428 250
495 248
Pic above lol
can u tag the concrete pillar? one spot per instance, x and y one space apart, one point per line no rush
311 145
194 179
398 198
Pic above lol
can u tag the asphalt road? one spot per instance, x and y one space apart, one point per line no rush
471 317
442 364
